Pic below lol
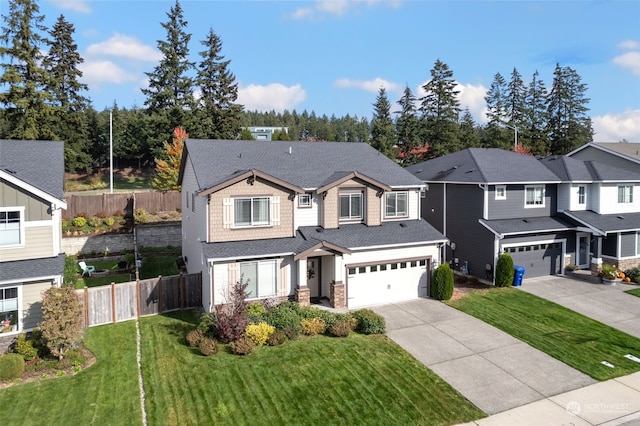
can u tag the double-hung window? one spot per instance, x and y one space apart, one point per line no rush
534 196
251 211
8 309
501 192
625 194
11 227
396 204
582 195
351 206
260 278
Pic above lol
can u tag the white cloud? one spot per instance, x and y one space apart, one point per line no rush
274 96
121 45
103 71
629 45
75 5
368 85
339 8
630 60
615 127
471 96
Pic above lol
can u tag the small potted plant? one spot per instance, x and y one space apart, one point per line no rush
609 274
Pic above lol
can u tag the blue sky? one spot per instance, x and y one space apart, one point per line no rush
332 56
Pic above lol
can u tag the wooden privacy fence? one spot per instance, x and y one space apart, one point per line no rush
111 203
126 301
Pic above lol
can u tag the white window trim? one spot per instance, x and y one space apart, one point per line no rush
584 195
351 218
396 215
627 194
19 319
303 205
534 206
253 224
21 211
272 262
504 192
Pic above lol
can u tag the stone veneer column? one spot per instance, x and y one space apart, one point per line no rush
337 294
303 296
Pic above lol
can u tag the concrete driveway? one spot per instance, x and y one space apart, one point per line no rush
493 370
608 304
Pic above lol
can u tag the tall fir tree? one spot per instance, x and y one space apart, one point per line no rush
408 129
468 131
535 117
569 126
383 136
496 134
220 114
70 104
440 110
24 80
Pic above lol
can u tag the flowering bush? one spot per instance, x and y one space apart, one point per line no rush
259 333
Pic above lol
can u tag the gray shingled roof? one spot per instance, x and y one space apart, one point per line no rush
24 270
528 225
483 165
629 149
306 164
607 222
38 163
569 169
348 236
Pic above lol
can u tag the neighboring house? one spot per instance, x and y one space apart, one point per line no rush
265 133
304 221
488 201
31 200
623 155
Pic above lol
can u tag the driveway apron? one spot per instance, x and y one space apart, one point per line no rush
490 368
608 304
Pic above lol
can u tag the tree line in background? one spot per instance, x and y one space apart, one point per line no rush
43 98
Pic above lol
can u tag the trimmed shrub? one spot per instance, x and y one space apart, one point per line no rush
208 346
256 312
62 319
242 346
79 221
259 333
24 347
194 337
70 271
277 338
313 326
94 221
285 317
109 221
504 270
140 216
633 274
207 323
11 366
369 322
341 328
442 283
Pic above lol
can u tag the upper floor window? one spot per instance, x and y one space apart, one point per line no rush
351 206
11 227
625 194
396 204
534 196
582 195
501 192
304 200
251 211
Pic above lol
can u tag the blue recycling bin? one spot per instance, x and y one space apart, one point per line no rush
517 276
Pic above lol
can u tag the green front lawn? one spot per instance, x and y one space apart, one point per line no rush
574 339
634 292
317 380
152 266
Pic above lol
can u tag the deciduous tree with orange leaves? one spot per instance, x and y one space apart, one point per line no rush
166 175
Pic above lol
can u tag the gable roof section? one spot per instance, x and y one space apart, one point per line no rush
572 170
483 165
36 166
341 177
308 165
627 150
249 174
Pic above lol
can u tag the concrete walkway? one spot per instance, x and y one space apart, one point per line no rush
493 370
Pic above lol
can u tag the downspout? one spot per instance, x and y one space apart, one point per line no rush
444 217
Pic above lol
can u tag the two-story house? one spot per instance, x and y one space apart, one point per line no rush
31 200
546 213
304 221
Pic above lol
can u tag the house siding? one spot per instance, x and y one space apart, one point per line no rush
608 203
39 243
32 303
432 208
194 223
513 206
35 208
594 154
308 216
373 211
260 187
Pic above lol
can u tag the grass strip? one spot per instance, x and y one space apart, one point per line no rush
634 292
568 336
314 380
103 394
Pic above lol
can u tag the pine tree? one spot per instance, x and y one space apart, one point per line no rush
407 129
440 110
383 137
569 127
496 99
516 95
27 112
61 64
221 116
535 118
166 175
468 132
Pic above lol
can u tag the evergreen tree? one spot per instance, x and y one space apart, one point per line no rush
383 137
569 127
221 116
496 99
24 80
468 132
440 110
408 129
535 118
166 176
516 96
61 64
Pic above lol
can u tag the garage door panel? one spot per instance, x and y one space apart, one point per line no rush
538 259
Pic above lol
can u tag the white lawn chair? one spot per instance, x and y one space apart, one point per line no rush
86 269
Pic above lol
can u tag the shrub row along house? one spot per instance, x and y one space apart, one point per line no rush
31 200
546 213
304 221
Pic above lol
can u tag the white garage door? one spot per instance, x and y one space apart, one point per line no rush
386 282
